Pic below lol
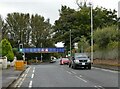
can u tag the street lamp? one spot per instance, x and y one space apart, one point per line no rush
70 43
118 16
91 32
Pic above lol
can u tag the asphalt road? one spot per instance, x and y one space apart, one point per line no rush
55 75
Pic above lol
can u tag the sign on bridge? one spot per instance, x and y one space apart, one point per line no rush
43 50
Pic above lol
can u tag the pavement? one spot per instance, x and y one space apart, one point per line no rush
55 75
9 76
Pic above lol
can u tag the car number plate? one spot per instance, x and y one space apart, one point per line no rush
83 63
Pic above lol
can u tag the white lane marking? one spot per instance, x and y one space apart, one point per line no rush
99 87
28 70
109 71
81 79
80 75
73 72
18 82
34 68
32 76
33 71
30 84
106 70
22 80
96 68
95 86
68 72
22 75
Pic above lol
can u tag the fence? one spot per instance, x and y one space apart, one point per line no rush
105 54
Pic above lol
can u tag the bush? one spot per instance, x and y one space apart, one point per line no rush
10 56
7 49
103 37
19 56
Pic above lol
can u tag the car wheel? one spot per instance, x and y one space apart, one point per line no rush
69 65
89 67
74 66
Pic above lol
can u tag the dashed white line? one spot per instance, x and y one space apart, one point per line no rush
30 84
99 87
80 75
33 71
32 76
73 72
81 79
68 72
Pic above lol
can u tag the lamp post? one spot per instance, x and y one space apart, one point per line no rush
118 15
70 43
91 32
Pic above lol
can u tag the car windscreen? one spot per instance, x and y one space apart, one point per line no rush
65 59
81 57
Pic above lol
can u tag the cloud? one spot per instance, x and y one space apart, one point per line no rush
46 8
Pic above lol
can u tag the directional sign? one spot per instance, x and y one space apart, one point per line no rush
43 50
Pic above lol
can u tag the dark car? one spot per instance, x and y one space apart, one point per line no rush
80 60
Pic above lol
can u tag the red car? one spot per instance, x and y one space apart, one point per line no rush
64 61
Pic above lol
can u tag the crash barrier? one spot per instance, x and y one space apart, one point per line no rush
20 65
3 62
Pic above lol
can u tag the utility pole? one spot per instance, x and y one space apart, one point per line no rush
91 33
118 15
70 43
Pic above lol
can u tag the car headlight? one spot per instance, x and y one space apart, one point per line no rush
88 60
76 61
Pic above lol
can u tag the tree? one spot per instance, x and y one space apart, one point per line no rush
41 31
79 23
0 28
63 25
7 50
18 27
83 44
102 39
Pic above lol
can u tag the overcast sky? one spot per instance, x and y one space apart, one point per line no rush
48 8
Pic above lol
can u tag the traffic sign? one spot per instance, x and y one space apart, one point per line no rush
43 50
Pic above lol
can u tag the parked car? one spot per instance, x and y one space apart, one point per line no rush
64 61
80 60
53 59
